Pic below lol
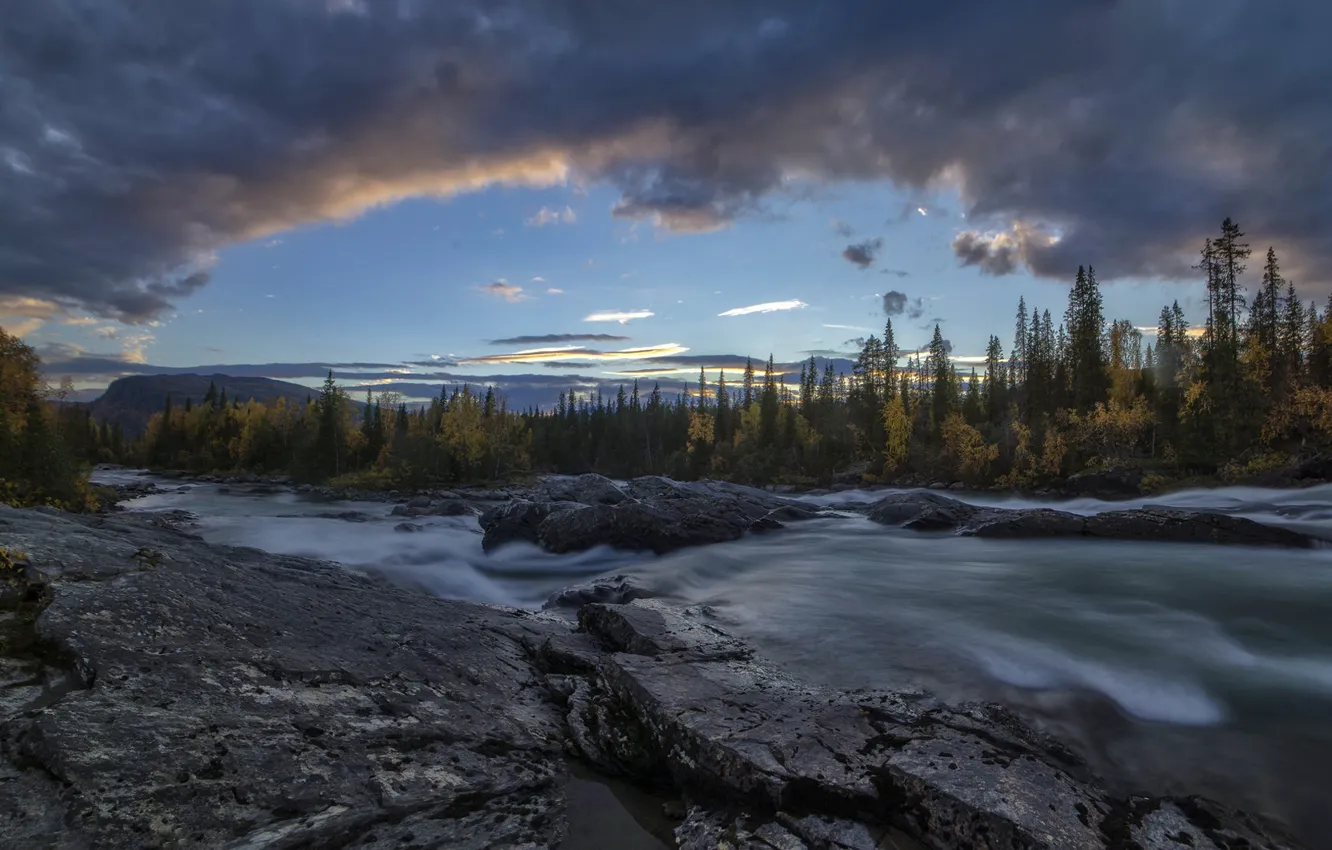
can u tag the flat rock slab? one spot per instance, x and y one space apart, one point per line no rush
771 762
236 699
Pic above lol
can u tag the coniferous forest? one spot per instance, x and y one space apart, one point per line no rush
1246 391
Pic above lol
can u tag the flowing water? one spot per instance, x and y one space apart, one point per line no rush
1174 667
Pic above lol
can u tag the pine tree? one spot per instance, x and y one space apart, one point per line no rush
888 362
1085 322
1289 342
748 397
996 388
943 386
1017 368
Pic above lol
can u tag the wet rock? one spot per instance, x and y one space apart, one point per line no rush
418 502
229 698
519 520
926 511
899 508
408 527
589 489
657 515
345 516
766 761
449 507
611 589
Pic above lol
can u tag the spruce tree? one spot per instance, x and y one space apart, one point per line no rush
1085 324
748 397
996 389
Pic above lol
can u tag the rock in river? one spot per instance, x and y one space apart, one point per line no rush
926 511
177 694
653 513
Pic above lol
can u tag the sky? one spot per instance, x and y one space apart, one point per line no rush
561 194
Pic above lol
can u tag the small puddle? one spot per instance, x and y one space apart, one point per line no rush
604 812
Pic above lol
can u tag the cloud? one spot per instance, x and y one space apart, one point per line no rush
22 315
547 215
896 272
766 307
152 135
554 291
898 303
842 229
503 289
546 339
575 353
862 253
847 328
621 316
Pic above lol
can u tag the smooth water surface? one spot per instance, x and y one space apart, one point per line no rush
1175 667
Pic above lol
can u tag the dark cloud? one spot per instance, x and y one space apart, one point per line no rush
862 253
140 137
900 304
896 272
992 255
549 339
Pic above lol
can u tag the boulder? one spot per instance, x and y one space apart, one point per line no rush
612 589
657 515
589 489
517 520
408 527
899 508
421 501
345 516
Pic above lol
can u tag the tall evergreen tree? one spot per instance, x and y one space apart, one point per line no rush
1085 323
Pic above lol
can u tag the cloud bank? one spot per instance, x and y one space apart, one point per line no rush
141 138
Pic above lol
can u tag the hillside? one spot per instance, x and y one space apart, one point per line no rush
131 401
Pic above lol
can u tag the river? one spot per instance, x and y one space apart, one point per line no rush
1174 667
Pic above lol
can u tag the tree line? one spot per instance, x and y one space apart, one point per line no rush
1246 391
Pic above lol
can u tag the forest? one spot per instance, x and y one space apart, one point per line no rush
1246 391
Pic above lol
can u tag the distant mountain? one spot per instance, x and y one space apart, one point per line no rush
131 401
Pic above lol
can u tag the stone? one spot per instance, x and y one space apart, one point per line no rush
657 515
230 698
589 489
408 527
766 761
614 589
421 501
517 520
920 510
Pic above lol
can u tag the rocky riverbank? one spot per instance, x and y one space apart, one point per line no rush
164 692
